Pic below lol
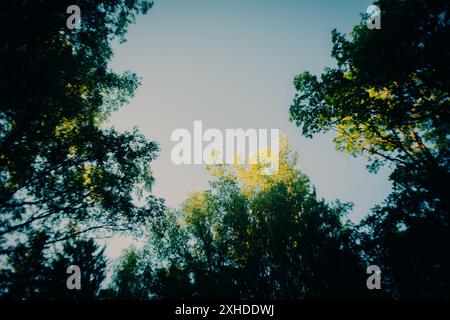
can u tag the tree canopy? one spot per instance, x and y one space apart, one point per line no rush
250 236
58 164
66 178
388 99
37 273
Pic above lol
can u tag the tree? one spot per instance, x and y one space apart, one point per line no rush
28 270
58 164
34 272
254 236
127 281
388 99
89 257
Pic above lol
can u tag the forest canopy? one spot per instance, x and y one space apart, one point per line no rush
68 180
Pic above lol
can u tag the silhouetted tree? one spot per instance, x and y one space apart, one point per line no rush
127 279
34 272
27 273
87 255
58 164
388 99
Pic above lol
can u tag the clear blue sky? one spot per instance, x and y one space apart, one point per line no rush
230 63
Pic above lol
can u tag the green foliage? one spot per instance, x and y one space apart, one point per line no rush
241 239
57 163
388 96
388 99
250 235
127 281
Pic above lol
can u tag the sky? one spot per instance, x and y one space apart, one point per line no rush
231 64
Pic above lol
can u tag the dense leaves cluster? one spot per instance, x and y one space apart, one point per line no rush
388 98
36 273
249 236
64 174
58 165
